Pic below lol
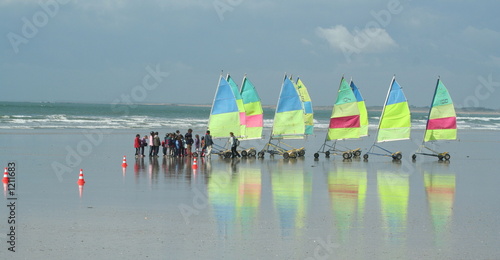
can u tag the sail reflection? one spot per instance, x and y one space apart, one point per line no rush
234 194
393 193
439 184
291 193
347 189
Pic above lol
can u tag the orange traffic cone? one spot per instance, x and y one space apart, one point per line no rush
80 181
195 163
124 164
5 176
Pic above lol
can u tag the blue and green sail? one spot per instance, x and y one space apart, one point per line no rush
289 117
224 116
395 122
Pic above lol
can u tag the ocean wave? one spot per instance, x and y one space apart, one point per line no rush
172 122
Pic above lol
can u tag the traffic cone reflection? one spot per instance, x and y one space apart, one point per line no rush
5 181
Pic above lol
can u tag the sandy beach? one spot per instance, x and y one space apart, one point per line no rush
248 208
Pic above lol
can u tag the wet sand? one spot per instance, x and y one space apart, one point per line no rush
249 208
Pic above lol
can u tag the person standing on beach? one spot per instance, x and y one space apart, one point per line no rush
156 143
197 143
208 144
144 143
233 142
151 147
137 145
165 144
188 137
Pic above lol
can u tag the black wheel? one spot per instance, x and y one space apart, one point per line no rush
302 152
346 155
195 154
447 156
261 154
244 153
316 155
440 157
227 155
253 153
414 157
293 154
365 156
398 156
286 155
327 153
357 153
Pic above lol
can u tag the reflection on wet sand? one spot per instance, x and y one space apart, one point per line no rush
439 184
291 188
393 193
234 193
347 189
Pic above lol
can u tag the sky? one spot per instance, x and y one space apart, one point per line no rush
112 51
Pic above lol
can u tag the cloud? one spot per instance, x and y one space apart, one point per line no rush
368 40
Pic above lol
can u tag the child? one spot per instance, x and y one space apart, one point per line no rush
137 145
202 154
197 143
144 143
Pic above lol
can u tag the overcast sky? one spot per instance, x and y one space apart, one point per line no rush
173 51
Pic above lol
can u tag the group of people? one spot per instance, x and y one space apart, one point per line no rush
174 144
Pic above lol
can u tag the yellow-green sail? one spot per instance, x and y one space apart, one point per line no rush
224 116
289 116
308 108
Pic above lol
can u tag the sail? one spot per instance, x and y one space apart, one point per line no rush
442 121
308 108
254 116
395 120
363 113
344 122
289 116
224 117
239 103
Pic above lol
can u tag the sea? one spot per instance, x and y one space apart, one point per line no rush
171 117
